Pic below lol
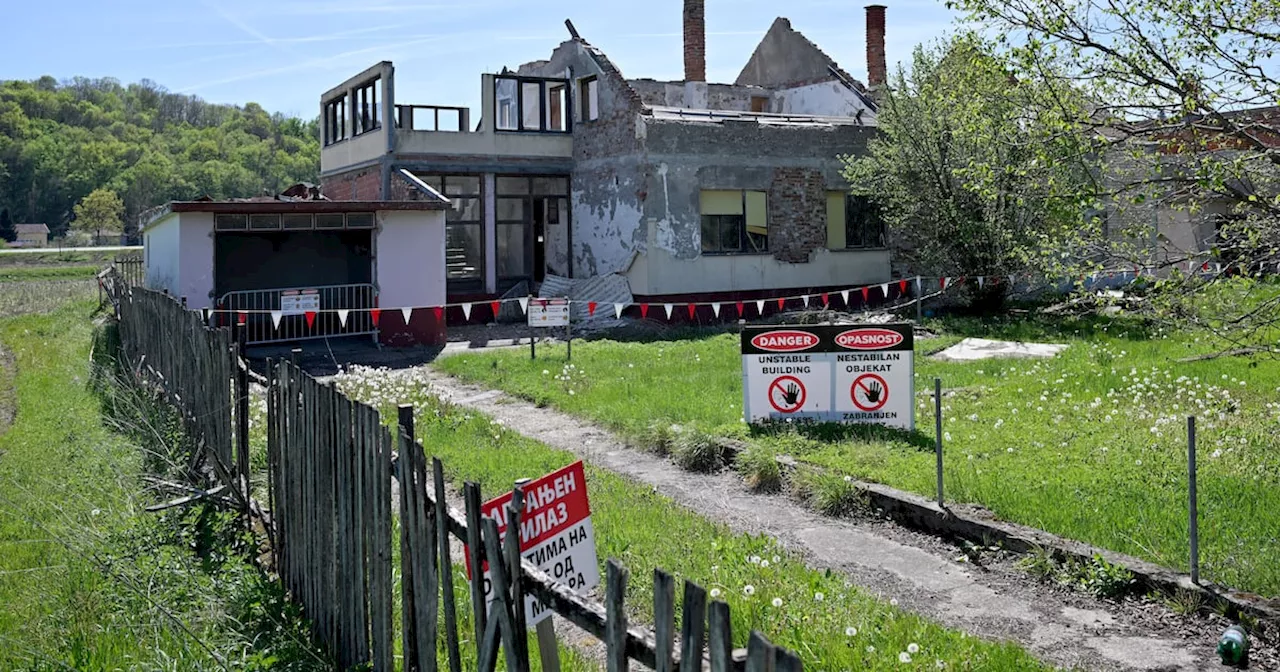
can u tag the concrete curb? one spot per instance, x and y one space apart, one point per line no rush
916 512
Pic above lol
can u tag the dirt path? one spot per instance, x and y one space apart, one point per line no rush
996 601
8 396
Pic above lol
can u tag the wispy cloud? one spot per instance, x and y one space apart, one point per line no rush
248 29
331 37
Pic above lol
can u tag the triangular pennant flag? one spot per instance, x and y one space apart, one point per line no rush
760 306
342 316
741 309
715 308
275 318
826 300
374 314
805 298
644 310
902 286
466 312
1205 267
884 289
844 296
617 310
205 312
781 303
917 285
242 317
438 310
942 282
311 318
866 294
408 315
1217 268
669 308
693 309
495 306
591 309
524 304
981 281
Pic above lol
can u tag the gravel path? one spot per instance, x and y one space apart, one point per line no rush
992 600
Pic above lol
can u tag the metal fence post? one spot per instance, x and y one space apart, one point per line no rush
937 420
1192 504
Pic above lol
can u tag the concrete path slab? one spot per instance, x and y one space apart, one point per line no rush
975 349
1061 627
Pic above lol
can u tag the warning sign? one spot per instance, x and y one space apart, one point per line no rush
854 373
299 301
555 534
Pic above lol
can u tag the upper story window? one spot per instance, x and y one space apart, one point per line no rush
368 106
863 225
589 95
335 120
734 222
531 104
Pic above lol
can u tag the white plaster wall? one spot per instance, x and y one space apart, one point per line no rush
196 251
360 149
410 253
556 243
666 274
161 255
602 232
485 143
828 99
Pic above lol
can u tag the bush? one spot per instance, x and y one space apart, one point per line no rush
759 467
832 494
697 451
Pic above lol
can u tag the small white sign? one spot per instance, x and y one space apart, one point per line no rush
548 312
299 301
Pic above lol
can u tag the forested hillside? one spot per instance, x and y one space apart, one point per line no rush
61 140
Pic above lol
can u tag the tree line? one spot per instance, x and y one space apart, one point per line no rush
61 141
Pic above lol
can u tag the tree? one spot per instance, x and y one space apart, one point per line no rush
101 209
7 232
1185 94
958 169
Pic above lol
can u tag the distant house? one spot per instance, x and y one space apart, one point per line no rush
32 235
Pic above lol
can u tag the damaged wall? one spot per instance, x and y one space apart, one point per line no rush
827 99
700 95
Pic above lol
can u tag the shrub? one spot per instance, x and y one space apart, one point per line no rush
697 451
759 467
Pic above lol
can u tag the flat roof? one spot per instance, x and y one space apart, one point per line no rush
267 207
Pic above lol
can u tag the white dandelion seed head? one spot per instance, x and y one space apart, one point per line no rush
777 602
749 590
904 657
850 631
913 648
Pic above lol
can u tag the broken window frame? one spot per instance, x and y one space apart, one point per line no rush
862 217
748 243
461 186
545 85
589 94
366 107
335 120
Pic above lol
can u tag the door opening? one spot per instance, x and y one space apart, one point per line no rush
539 239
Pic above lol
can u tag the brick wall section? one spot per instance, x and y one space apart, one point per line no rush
797 204
877 71
364 184
695 41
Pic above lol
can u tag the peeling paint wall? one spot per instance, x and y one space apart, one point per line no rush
700 95
668 275
828 99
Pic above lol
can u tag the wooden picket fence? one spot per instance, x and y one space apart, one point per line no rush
332 466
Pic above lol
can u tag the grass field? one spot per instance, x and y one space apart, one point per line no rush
88 580
56 258
1090 445
9 274
832 625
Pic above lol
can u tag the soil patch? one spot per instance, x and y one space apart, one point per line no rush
8 396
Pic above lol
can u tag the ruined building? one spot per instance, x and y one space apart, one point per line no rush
688 190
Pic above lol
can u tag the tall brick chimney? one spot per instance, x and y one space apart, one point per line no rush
695 41
877 71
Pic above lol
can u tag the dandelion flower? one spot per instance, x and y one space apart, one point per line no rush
904 657
818 597
776 559
850 631
777 602
913 648
764 563
893 602
749 590
871 649
715 592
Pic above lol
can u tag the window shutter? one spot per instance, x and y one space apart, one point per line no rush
835 220
721 202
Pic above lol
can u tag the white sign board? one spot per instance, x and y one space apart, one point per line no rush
555 534
548 312
853 373
299 301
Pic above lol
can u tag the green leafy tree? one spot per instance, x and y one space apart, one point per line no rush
972 175
7 231
101 209
1185 95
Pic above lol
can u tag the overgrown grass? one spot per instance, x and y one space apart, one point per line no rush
1090 445
21 273
20 298
54 257
88 580
831 624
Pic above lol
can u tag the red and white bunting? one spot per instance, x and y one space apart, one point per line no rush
242 317
495 306
805 298
866 295
844 296
374 315
669 307
407 313
342 316
466 312
917 285
760 307
981 281
311 318
782 303
884 289
439 312
275 318
742 309
524 305
715 308
617 310
943 282
826 300
644 311
205 312
693 311
591 309
902 286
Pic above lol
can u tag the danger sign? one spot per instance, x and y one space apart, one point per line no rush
869 392
555 534
853 373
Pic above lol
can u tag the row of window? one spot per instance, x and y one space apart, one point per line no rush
326 221
365 112
537 104
737 222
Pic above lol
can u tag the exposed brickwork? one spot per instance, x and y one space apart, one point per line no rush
797 214
695 41
364 184
877 71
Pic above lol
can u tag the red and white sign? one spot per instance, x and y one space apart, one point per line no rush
869 392
555 534
785 340
787 394
868 339
299 301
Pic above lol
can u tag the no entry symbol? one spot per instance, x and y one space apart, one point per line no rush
786 394
869 392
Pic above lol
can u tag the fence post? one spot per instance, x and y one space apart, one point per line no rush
615 628
1192 504
240 361
403 473
471 498
446 567
937 418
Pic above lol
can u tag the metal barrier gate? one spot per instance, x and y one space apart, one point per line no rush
293 304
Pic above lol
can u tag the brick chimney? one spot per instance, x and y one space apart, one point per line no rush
877 71
695 41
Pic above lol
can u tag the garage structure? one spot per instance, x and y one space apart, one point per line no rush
298 269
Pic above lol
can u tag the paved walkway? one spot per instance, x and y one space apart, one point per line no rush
1061 627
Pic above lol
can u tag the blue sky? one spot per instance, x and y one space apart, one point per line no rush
284 53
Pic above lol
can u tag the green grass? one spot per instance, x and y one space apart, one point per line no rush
54 257
1090 445
19 298
88 580
24 273
831 624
